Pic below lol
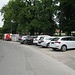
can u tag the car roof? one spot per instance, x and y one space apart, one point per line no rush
24 36
66 36
63 37
43 35
49 37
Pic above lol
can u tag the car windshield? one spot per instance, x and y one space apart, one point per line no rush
54 39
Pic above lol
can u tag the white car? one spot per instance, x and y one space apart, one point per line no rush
63 43
46 41
35 41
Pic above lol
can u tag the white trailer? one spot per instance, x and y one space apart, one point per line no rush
15 37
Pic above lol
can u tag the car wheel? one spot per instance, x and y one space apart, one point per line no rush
47 45
43 46
24 41
21 43
54 49
64 48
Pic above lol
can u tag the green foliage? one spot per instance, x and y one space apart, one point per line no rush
1 34
29 16
66 16
35 26
73 34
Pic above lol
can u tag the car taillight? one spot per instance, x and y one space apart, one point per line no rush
42 41
36 39
58 42
20 38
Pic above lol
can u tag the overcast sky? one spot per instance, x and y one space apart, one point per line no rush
2 3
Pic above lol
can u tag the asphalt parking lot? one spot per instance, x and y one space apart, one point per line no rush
67 57
21 59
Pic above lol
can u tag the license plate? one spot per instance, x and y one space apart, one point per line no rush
39 42
52 42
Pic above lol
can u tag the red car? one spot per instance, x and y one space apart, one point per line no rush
7 37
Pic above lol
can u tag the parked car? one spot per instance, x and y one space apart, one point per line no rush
63 43
29 39
22 39
35 41
7 37
46 41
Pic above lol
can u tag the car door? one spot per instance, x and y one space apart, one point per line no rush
70 42
73 42
67 41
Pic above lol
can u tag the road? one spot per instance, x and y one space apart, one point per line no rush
17 59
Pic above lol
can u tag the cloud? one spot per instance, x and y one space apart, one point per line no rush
3 2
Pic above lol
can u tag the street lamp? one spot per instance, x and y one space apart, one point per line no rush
11 25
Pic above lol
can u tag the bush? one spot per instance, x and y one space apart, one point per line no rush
73 34
1 36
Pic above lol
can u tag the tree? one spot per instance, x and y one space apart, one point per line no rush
48 11
11 14
66 16
21 16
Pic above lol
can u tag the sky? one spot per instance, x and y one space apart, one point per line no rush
2 3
